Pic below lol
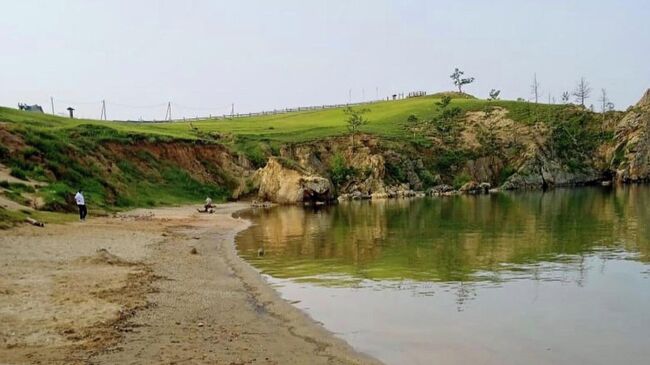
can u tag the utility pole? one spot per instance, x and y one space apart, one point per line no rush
168 113
102 115
52 102
363 94
350 96
377 92
232 109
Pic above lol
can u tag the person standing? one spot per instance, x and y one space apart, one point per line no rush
81 204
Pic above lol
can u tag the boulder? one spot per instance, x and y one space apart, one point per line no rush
440 189
286 183
471 187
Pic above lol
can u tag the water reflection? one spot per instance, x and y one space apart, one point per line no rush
457 239
560 277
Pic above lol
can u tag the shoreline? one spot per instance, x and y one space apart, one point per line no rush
168 286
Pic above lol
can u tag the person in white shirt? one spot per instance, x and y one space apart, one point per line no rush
81 204
208 204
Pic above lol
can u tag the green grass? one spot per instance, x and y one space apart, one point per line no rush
387 119
9 218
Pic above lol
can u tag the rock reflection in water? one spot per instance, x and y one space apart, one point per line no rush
464 238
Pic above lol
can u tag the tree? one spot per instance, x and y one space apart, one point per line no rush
355 120
605 104
534 88
565 97
582 91
494 94
413 121
459 81
444 102
445 122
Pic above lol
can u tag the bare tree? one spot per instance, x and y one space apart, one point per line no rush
459 81
582 91
534 88
605 104
565 97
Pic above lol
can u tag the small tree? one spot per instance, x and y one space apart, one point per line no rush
605 104
412 121
444 102
494 94
534 88
355 120
582 91
565 97
459 81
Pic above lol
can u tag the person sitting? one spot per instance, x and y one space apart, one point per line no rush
208 204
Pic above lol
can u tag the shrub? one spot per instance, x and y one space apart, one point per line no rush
461 180
428 179
18 173
4 153
395 172
339 170
505 173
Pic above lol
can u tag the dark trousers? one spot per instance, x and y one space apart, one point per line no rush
83 212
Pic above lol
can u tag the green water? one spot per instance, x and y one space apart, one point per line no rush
537 278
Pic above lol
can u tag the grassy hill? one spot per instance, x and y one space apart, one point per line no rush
387 120
125 164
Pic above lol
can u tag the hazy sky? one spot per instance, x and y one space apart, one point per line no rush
205 55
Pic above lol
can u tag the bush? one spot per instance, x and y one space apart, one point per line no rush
340 172
428 179
505 173
461 180
395 172
4 153
18 173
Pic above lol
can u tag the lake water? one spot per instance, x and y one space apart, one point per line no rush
558 277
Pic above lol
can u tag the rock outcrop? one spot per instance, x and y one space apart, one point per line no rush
631 156
285 183
541 170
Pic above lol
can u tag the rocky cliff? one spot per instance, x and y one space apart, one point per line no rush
631 154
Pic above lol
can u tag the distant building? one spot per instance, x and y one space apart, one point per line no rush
30 108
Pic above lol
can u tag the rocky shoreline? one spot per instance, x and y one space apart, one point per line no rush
543 157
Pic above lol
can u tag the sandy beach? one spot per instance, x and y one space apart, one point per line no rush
150 286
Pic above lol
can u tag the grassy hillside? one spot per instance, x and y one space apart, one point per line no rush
127 164
387 120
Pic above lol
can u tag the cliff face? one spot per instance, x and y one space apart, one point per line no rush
631 155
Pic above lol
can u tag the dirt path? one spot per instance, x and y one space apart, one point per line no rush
130 290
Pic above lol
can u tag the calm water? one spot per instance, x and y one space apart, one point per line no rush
561 277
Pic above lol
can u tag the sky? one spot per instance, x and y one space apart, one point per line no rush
205 56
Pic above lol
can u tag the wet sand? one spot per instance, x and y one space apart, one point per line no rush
161 286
